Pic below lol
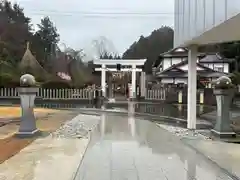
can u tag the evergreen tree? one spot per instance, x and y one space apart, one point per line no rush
14 30
46 38
231 50
151 47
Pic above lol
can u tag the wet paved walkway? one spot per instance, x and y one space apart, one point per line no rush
123 148
226 155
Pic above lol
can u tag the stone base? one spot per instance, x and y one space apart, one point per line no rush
223 134
28 134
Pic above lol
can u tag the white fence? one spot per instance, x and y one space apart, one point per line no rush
74 94
51 93
156 94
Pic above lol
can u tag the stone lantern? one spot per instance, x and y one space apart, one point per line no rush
224 91
27 92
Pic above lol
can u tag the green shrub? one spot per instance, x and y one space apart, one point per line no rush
235 77
8 80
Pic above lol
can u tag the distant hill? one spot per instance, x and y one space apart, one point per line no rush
150 47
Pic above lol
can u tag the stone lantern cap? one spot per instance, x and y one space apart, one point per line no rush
223 82
27 80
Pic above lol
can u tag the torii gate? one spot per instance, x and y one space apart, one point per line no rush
136 66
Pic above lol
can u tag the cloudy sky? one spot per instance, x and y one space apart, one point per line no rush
120 21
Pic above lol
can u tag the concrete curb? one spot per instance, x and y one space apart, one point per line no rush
75 175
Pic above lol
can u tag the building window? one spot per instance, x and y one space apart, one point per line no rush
220 69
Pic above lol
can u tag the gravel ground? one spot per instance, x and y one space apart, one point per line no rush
184 133
78 127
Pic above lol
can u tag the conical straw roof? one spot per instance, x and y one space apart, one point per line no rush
29 64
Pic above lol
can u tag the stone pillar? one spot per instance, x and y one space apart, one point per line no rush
192 87
222 127
143 85
28 121
133 82
103 80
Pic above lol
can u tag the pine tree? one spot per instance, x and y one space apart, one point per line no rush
48 41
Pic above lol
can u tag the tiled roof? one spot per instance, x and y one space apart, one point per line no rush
214 58
178 72
175 50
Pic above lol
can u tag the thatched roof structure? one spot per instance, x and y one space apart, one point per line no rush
29 64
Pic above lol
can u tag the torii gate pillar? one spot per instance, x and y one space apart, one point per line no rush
133 93
134 63
103 80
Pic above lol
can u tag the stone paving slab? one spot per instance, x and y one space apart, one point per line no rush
134 149
46 158
56 156
226 155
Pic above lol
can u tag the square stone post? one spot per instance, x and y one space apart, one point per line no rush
28 121
223 127
192 87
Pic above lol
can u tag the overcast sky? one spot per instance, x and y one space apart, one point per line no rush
78 26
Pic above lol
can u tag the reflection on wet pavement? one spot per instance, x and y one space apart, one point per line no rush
177 110
172 110
124 148
63 105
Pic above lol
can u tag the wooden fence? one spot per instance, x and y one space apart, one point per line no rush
156 94
51 94
73 94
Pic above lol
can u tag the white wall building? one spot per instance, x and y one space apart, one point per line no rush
199 22
172 67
